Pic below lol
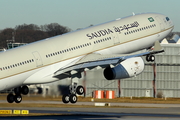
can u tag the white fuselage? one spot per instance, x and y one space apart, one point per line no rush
36 62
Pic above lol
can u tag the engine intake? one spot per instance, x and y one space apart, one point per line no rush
126 69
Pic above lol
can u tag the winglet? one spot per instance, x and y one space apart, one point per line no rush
157 46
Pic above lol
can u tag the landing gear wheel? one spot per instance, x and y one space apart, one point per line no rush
25 90
17 98
80 90
150 58
73 98
65 98
17 90
10 98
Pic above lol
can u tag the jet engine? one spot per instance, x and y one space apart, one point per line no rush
126 69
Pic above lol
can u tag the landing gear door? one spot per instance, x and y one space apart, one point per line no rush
38 59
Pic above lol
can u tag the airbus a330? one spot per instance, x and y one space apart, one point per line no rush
106 45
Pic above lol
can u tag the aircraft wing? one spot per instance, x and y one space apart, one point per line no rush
94 60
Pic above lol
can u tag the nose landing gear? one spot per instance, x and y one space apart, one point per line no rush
150 58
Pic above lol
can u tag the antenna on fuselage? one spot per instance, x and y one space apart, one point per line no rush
133 13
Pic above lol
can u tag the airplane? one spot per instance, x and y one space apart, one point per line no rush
109 46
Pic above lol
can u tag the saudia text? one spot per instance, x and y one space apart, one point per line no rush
109 31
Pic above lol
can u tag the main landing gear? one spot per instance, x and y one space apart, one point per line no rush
17 97
73 90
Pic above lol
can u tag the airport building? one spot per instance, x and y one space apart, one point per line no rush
159 79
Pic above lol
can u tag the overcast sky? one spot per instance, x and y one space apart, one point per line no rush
81 13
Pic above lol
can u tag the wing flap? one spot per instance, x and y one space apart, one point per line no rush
80 67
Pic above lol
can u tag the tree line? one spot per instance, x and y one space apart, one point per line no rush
27 33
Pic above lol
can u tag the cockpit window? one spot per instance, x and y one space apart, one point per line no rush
167 19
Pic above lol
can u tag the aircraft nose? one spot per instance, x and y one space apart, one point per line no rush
170 22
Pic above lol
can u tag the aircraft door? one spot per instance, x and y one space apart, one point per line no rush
38 59
162 27
115 38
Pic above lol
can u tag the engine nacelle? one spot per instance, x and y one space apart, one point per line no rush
126 69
